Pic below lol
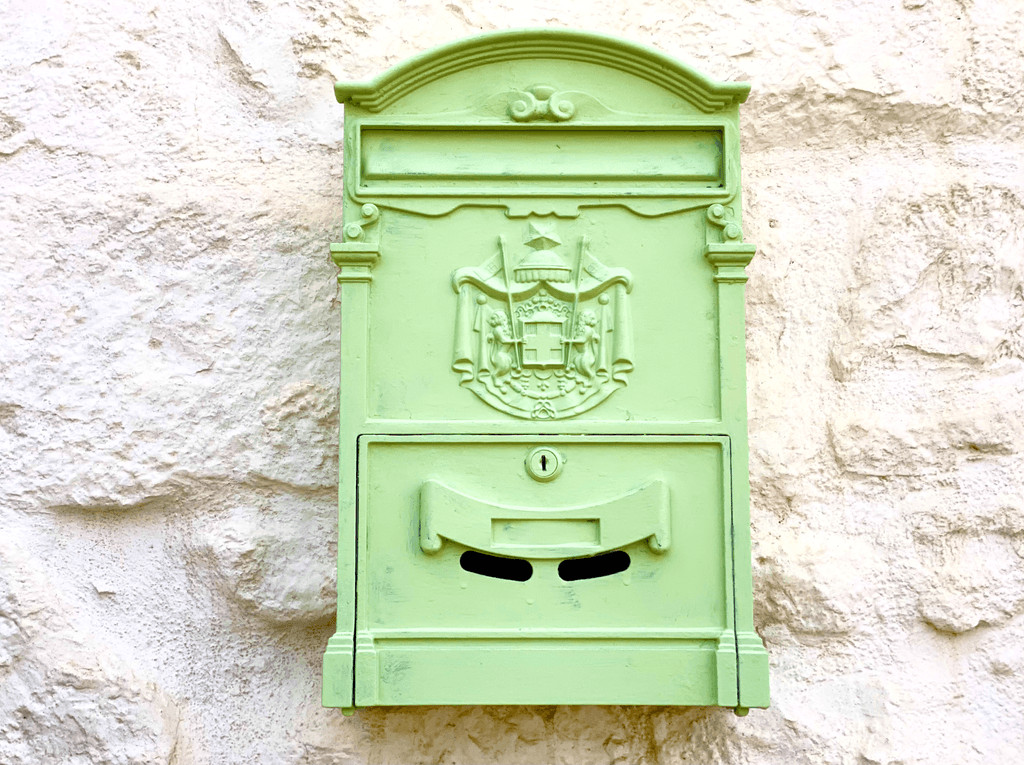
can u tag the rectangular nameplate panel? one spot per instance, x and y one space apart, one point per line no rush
424 159
522 532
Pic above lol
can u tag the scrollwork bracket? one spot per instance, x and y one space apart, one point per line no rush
730 254
355 256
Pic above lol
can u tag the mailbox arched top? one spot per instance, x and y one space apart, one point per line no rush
707 95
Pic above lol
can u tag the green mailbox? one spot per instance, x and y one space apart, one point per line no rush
543 493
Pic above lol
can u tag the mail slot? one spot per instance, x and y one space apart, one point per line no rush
543 491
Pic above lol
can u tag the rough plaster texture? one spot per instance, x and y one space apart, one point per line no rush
169 179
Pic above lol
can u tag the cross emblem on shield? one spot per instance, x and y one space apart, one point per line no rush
543 347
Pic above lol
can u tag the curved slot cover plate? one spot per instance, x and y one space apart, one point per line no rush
531 532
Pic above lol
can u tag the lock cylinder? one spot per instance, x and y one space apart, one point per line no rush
544 463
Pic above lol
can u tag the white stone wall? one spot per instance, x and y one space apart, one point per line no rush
170 177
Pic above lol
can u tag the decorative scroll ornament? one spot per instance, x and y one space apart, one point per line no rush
354 231
541 102
731 231
538 338
730 256
355 256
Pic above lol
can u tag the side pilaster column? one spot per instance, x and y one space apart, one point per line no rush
729 257
355 257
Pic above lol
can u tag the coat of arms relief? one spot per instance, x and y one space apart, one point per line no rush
539 337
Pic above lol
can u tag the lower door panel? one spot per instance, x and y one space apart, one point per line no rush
483 579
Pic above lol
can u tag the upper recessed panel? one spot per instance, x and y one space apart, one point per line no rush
541 122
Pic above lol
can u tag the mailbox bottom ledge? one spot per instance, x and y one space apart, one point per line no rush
659 672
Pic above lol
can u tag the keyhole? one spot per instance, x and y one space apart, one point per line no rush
544 463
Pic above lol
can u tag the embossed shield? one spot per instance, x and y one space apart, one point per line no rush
543 343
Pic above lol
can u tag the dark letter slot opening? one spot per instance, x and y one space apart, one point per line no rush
512 569
592 568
